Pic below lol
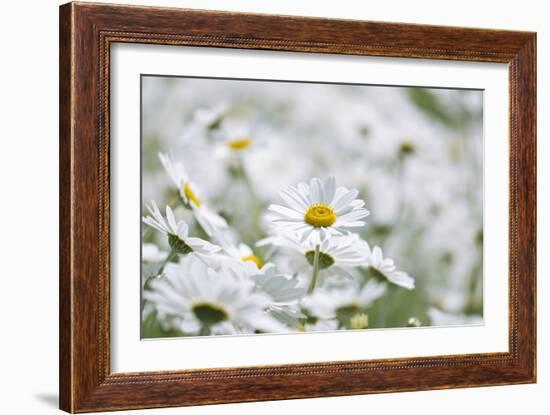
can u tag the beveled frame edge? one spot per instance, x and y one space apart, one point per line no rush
86 33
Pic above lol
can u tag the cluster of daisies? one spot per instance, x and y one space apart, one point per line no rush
316 272
230 247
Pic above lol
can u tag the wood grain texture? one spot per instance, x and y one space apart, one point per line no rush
86 33
65 246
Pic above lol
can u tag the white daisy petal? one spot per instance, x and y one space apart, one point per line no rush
171 220
293 199
316 188
345 199
285 212
329 189
386 267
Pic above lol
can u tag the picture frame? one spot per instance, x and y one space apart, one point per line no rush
87 33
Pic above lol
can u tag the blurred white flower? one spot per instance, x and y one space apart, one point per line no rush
241 252
326 304
235 136
202 301
386 268
177 173
210 117
319 208
442 318
208 219
237 251
152 253
203 121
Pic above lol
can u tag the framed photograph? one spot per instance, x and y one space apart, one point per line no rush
258 207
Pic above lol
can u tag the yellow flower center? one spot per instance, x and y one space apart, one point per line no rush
320 215
190 195
238 144
254 259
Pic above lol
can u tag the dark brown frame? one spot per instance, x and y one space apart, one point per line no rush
86 33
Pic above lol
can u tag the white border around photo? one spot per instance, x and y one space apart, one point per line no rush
130 354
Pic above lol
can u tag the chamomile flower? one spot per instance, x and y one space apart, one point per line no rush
242 252
337 254
235 251
209 220
385 268
199 300
343 303
236 136
178 174
177 232
319 207
204 121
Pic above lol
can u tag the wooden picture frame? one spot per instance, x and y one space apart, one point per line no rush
86 33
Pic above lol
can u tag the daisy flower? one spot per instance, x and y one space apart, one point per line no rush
336 254
177 232
236 136
204 121
239 252
344 303
385 268
178 174
245 254
209 220
319 207
242 252
199 300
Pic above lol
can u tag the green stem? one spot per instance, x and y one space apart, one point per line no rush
172 255
246 179
315 269
257 202
204 331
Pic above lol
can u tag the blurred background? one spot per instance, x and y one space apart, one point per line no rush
414 154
